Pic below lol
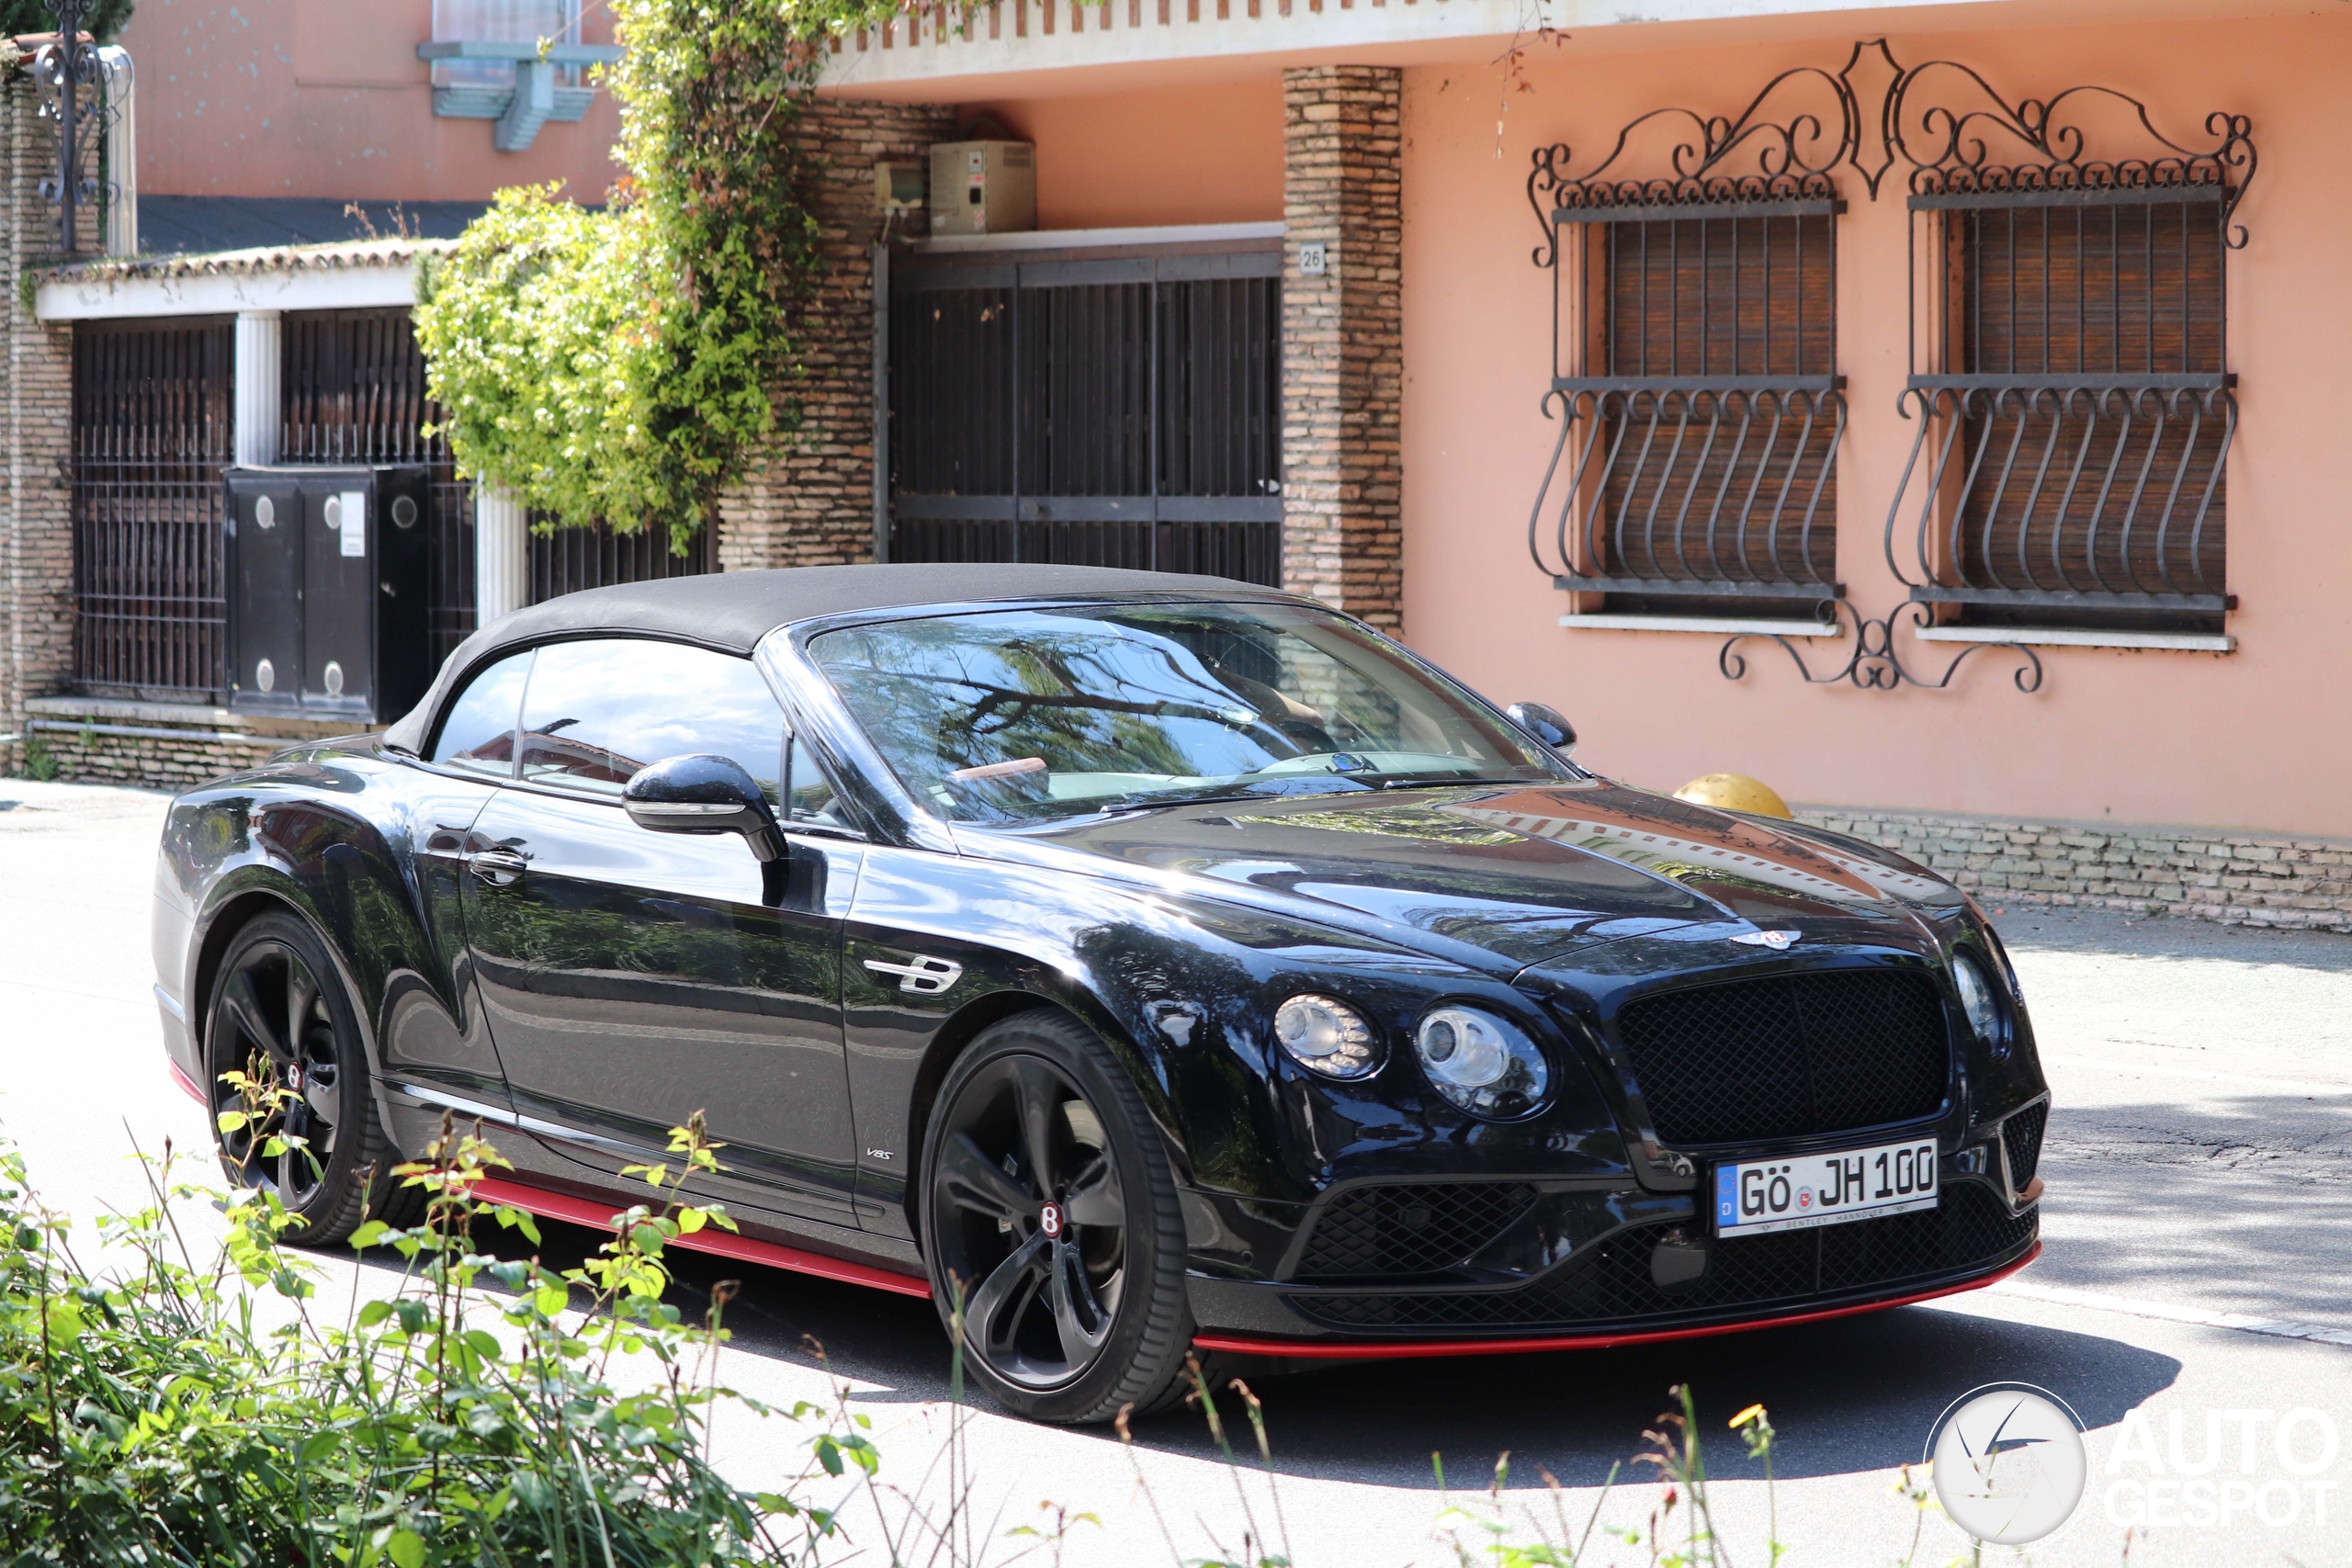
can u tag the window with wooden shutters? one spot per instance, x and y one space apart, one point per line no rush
1694 366
2072 406
2082 429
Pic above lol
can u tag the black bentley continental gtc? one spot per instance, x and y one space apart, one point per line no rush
1161 961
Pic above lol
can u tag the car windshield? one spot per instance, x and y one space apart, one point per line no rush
1025 715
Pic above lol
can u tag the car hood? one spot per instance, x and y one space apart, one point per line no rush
1521 874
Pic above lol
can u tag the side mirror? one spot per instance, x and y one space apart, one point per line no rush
1543 723
703 795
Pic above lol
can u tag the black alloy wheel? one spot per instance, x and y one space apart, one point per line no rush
1049 1207
280 1016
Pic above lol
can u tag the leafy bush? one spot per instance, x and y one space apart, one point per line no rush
101 21
177 1413
616 365
165 1413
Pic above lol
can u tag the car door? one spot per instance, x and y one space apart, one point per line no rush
430 1038
632 979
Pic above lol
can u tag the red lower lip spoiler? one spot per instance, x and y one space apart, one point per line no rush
597 1213
180 1078
1393 1349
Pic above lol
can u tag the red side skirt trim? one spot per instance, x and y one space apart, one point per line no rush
597 1213
1357 1349
186 1083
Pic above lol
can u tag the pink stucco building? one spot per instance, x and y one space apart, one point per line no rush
2063 300
1591 352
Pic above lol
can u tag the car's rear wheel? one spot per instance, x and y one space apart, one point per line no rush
1050 1212
281 1016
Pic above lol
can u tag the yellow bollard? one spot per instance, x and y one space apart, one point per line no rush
1734 792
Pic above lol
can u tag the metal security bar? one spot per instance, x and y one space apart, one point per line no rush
150 434
354 392
1122 411
565 560
2074 413
1694 355
1700 462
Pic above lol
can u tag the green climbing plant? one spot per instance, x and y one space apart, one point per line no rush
101 21
616 364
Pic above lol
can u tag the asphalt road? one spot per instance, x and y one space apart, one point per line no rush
2200 1182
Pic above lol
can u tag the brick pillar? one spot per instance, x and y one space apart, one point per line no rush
1342 340
36 421
807 499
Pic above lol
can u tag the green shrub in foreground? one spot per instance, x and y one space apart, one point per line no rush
171 1412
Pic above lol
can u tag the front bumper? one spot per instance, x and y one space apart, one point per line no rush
1609 1288
1337 1348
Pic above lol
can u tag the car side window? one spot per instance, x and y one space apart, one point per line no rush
598 710
810 793
479 734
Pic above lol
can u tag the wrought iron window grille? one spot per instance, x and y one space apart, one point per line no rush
1693 368
2069 351
2073 428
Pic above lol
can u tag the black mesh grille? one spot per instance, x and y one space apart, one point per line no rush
2023 1135
1784 1057
1411 1230
1611 1281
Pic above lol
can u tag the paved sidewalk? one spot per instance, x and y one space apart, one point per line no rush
2199 1166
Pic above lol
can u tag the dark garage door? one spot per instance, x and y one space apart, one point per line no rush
1108 411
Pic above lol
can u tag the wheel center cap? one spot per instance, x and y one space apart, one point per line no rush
294 1076
1050 1220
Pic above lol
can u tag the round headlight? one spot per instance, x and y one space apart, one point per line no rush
1481 1063
1327 1037
1975 996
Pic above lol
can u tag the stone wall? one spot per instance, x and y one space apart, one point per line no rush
2237 879
807 499
160 745
1343 340
36 421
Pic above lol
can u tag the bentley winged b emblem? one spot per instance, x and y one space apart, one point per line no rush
1778 941
925 976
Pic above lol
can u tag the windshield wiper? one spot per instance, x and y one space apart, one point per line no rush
1337 785
1431 781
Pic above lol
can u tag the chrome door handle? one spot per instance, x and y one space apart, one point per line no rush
499 868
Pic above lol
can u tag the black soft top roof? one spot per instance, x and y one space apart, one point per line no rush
733 610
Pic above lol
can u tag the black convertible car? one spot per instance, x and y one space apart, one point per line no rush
1163 962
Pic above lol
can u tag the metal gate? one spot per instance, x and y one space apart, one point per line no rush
151 435
1106 411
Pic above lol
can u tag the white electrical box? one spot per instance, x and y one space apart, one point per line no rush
983 188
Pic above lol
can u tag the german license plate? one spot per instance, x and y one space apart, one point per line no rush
1760 1196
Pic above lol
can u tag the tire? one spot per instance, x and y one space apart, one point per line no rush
1073 1285
280 1013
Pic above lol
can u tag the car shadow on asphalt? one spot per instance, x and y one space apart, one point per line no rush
1845 1395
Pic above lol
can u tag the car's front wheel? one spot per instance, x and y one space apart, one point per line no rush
1050 1215
305 1123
